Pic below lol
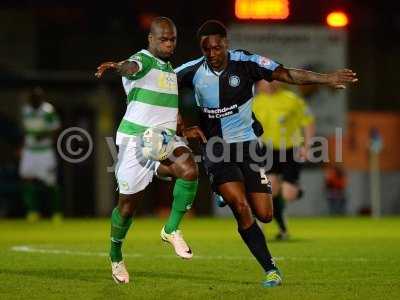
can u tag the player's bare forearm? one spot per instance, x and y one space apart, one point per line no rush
337 79
298 76
124 68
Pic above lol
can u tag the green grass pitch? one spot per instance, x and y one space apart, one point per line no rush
326 259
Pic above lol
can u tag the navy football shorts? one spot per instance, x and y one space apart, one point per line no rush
237 162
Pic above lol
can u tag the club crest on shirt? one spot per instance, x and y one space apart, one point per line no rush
123 186
264 62
234 81
167 81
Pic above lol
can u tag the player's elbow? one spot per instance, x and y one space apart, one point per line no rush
284 75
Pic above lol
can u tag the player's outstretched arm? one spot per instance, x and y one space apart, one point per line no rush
124 68
338 79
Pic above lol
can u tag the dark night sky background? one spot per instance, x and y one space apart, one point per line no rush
77 35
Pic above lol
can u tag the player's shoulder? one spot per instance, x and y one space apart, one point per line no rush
293 98
297 98
241 52
289 94
192 64
242 55
141 56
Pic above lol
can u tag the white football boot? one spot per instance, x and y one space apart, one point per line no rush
119 272
176 240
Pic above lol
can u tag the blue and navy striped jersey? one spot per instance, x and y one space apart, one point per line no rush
225 99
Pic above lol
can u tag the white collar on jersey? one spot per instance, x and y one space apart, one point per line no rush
147 52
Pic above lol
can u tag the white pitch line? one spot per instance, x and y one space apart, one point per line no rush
32 249
60 251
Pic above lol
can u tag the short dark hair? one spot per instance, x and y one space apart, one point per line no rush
211 27
157 21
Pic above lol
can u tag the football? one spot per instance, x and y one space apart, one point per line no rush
157 143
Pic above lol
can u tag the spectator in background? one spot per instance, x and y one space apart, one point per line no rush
288 126
335 184
38 159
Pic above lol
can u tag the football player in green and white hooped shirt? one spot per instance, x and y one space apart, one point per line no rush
38 160
151 88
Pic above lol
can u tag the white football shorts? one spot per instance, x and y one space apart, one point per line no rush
134 172
41 165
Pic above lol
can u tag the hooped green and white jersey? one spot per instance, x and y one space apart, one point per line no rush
37 122
152 96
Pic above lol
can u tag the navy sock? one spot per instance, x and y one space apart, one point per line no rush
279 207
255 241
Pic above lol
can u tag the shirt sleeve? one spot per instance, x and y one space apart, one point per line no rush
260 67
144 64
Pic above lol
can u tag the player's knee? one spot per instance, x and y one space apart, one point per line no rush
290 195
290 191
265 217
126 209
190 173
